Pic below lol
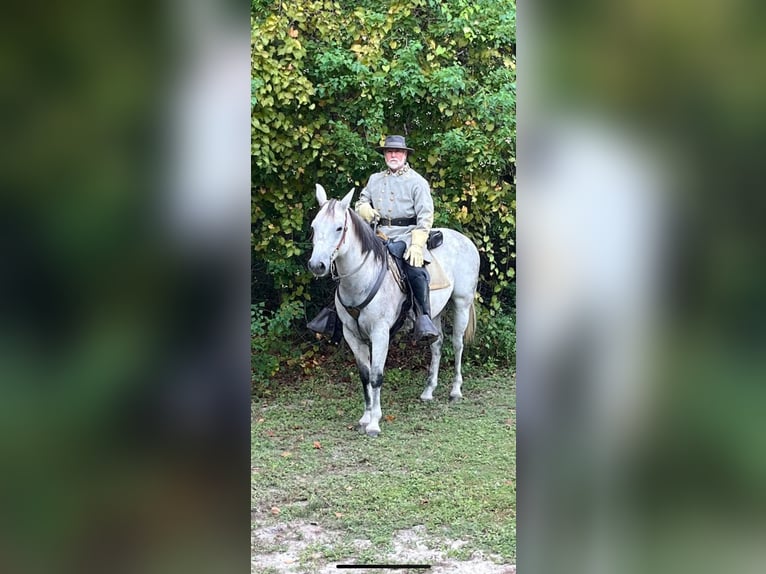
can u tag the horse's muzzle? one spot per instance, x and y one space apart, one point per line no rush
318 268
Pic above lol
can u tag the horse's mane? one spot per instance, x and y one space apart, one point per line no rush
367 237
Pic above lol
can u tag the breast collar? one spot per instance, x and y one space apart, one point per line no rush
355 310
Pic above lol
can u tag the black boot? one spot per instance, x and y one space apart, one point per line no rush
425 330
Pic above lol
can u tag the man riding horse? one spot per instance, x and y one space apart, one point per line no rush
399 201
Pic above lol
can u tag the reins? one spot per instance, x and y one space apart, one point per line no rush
337 276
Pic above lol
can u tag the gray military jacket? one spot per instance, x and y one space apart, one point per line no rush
401 195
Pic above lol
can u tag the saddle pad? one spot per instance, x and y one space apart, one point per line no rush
439 279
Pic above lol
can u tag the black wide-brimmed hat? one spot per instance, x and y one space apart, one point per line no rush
395 142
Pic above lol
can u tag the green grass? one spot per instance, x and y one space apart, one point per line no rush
447 466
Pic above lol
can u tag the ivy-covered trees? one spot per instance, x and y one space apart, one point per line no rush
330 78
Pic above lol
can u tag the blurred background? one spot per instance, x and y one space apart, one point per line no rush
124 356
640 314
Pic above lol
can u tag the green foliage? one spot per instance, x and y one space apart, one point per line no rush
331 78
495 343
269 342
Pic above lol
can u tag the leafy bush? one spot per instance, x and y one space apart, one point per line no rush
272 342
495 342
494 345
331 78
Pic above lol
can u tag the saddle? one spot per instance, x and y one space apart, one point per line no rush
437 278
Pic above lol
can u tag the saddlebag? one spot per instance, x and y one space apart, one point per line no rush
327 323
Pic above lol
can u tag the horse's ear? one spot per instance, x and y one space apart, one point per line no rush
346 201
321 195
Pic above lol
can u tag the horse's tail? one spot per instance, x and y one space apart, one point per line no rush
470 330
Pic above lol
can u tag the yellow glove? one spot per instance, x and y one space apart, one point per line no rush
414 255
367 213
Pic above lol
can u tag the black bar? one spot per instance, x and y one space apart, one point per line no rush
389 566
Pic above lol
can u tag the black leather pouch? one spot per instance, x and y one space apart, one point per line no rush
435 238
327 323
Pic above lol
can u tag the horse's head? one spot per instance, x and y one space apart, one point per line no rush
330 227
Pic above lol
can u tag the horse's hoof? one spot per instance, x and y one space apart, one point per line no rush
361 428
373 433
455 398
427 399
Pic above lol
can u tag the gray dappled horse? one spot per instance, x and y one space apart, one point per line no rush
368 299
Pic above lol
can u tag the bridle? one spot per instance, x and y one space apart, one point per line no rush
335 251
333 270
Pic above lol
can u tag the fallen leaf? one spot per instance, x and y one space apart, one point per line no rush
389 418
269 433
317 444
260 420
275 510
286 454
338 515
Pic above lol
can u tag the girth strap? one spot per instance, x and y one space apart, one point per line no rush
354 311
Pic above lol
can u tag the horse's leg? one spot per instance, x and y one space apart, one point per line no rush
362 356
462 316
436 355
377 364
